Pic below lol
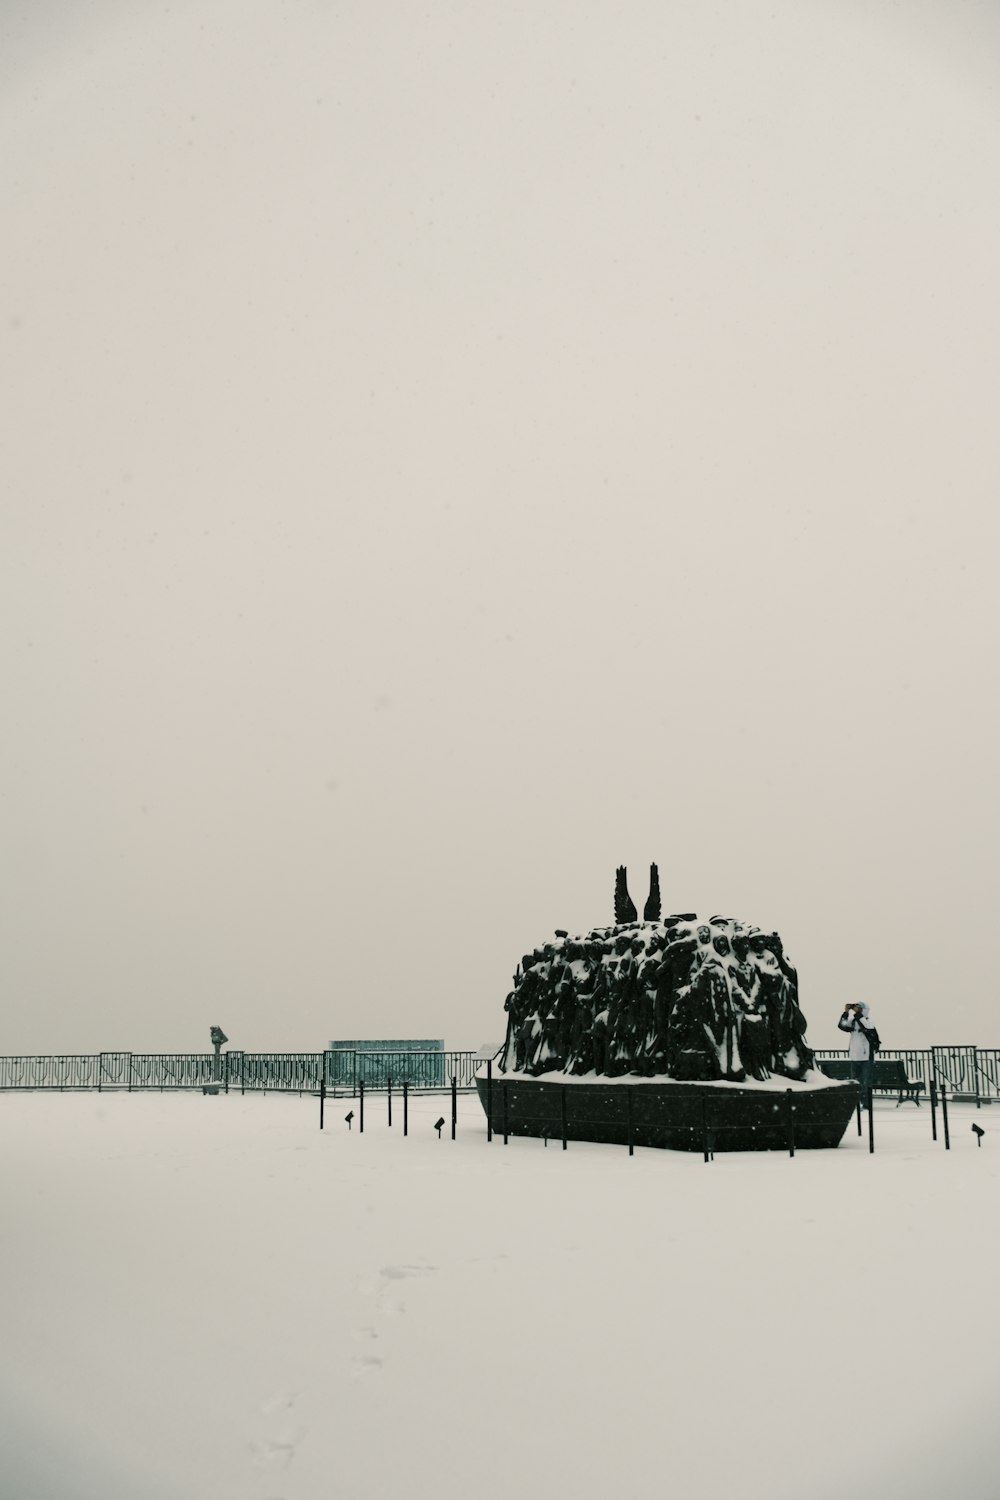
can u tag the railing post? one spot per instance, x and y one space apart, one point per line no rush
933 1110
361 1105
322 1101
388 1095
489 1099
975 1073
454 1104
406 1101
130 1072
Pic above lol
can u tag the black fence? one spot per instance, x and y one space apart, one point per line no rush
289 1072
970 1074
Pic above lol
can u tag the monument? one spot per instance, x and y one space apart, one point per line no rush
667 1032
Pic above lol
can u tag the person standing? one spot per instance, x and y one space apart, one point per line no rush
857 1022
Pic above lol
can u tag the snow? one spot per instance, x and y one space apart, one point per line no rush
207 1297
813 1080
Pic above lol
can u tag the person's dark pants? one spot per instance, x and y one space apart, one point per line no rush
863 1071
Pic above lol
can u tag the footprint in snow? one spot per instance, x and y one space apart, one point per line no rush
366 1364
267 1455
279 1401
277 1448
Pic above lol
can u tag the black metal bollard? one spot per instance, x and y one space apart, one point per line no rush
859 1109
506 1132
322 1100
361 1106
944 1115
871 1125
933 1110
790 1104
406 1104
489 1099
935 1085
388 1095
454 1104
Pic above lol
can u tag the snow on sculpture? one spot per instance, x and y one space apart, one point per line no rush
681 998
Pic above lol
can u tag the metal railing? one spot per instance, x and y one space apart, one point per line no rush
288 1072
968 1072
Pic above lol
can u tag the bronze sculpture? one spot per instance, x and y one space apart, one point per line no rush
677 998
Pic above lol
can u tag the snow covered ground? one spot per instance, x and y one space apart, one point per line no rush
206 1297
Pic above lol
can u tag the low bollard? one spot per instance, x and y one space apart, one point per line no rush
361 1107
322 1101
944 1115
406 1106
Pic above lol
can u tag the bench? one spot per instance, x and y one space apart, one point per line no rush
889 1076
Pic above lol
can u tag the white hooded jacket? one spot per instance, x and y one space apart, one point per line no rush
858 1048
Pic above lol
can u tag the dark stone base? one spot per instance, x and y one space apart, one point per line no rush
675 1116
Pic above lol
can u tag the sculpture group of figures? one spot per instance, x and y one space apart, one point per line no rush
681 998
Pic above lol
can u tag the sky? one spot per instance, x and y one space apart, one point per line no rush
451 451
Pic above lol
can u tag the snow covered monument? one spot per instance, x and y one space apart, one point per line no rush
676 1032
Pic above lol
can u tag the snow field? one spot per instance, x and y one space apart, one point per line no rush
207 1297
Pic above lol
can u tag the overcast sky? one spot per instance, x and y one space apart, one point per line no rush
448 451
